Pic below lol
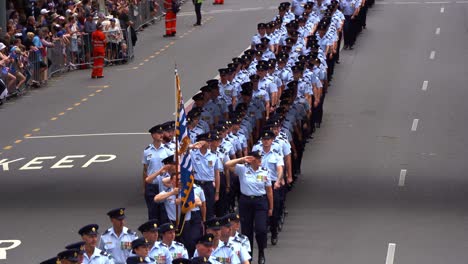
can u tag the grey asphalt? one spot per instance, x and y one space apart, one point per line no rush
347 206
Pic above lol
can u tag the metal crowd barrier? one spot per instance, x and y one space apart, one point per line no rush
141 13
77 52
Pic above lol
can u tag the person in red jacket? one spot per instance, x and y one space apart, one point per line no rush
171 19
98 39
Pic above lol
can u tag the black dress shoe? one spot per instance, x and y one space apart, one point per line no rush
196 24
274 239
261 257
337 62
167 35
173 34
99 77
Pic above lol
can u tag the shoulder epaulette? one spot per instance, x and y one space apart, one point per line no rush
179 244
151 259
104 253
147 147
131 232
241 236
107 231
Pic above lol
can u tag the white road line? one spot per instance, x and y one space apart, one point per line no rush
437 31
407 3
250 8
390 253
86 135
414 126
461 2
424 85
401 181
440 2
442 9
432 56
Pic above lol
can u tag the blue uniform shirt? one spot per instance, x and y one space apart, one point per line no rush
152 157
271 160
225 254
98 257
160 254
119 247
349 6
177 250
204 165
252 182
198 192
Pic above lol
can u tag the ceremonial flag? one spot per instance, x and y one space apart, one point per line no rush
185 162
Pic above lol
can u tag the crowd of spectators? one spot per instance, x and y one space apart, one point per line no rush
34 26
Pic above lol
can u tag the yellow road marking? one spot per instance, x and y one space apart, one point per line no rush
146 60
69 108
36 129
152 56
27 135
84 99
98 86
92 94
18 141
172 43
53 118
98 91
61 114
167 46
141 64
163 49
7 147
77 104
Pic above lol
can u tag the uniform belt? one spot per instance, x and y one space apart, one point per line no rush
253 196
203 182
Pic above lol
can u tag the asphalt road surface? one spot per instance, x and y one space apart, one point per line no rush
383 180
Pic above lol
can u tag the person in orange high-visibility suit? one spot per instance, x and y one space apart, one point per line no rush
98 39
171 19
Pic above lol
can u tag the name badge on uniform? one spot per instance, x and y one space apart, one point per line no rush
176 255
261 178
210 163
161 259
126 245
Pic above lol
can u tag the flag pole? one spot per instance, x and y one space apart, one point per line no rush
176 155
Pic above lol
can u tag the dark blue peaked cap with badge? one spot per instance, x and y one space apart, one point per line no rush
69 254
206 239
200 260
139 242
169 160
136 260
54 260
150 225
166 227
156 129
91 229
181 261
118 213
79 246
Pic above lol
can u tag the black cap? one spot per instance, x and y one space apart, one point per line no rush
286 4
247 86
261 25
274 122
118 213
91 229
168 126
181 261
223 71
249 52
259 47
290 41
268 134
237 60
200 260
225 221
139 242
254 78
282 8
150 225
255 154
246 92
246 58
198 97
220 128
213 135
168 160
233 217
265 40
297 68
212 82
78 246
202 137
233 66
261 67
207 240
166 227
54 260
136 260
205 89
258 52
213 223
156 129
69 254
236 120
